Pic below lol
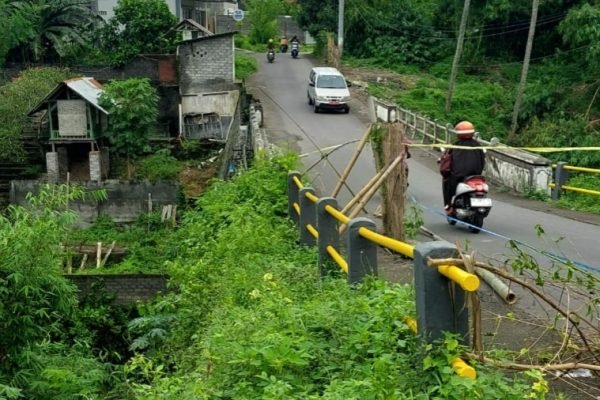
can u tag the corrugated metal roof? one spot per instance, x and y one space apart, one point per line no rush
88 88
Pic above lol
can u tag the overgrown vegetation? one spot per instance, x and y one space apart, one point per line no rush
244 66
17 98
271 329
133 108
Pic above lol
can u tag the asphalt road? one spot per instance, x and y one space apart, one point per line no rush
291 123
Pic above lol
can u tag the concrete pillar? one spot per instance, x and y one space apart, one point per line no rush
293 195
362 253
95 166
328 232
63 163
52 166
308 216
105 161
561 176
440 303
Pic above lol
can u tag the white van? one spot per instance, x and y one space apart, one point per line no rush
327 89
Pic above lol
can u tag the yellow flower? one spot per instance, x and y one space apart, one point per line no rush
268 277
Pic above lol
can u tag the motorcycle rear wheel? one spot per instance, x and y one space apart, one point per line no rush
477 223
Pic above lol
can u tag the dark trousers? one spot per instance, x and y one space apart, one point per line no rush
449 185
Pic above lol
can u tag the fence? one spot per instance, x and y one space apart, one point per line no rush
561 176
517 169
440 307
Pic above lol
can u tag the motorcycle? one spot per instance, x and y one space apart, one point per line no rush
283 48
295 49
471 203
271 55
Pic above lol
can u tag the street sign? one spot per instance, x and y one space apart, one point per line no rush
238 15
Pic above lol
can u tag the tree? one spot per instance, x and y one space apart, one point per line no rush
263 16
138 27
55 26
524 71
581 27
17 97
458 53
132 105
16 28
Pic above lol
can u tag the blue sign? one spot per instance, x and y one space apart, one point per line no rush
238 15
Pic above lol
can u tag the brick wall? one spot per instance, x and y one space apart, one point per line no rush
206 64
126 288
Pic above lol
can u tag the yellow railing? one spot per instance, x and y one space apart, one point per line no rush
468 281
460 367
562 179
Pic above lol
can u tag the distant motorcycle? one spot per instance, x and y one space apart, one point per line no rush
271 55
295 49
283 48
471 203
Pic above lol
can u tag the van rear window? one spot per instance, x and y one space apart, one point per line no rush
331 82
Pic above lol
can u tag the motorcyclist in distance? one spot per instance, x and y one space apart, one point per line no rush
283 44
270 45
464 162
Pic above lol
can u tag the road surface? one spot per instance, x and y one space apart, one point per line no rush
291 123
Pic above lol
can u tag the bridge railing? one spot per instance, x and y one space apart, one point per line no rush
561 178
439 307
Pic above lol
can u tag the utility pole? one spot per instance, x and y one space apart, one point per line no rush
525 70
340 29
458 53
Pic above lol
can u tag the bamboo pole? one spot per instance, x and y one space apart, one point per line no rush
362 191
98 253
110 249
372 191
83 261
357 151
497 285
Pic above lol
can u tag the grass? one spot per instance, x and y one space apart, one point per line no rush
244 66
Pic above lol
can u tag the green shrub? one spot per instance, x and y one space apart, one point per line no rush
17 98
581 201
254 320
244 66
158 166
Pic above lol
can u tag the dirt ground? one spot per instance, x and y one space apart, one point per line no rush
504 326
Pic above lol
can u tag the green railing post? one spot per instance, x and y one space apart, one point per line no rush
362 253
293 195
307 216
440 303
561 176
328 232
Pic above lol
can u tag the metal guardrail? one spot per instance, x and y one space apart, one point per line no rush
561 177
439 307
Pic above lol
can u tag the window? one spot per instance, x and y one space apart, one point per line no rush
331 82
103 13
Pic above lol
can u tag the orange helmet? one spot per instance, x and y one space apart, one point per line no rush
464 130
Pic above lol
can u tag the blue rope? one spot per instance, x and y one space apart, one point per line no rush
555 257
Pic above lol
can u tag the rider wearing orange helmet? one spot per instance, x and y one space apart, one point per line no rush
465 162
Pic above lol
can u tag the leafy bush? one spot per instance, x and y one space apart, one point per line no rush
244 66
253 319
133 108
158 166
17 98
580 201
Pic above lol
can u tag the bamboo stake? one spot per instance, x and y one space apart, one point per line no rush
69 263
552 367
110 249
371 192
362 191
98 253
83 261
357 151
174 215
